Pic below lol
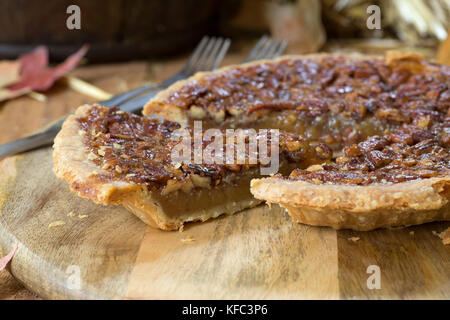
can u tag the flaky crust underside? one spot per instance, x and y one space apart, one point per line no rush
358 207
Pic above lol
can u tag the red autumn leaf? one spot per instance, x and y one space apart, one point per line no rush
41 79
4 261
33 61
12 71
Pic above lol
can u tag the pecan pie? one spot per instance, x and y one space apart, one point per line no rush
364 143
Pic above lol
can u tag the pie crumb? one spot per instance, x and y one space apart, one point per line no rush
84 216
188 239
181 228
445 236
266 255
71 214
354 239
56 223
435 233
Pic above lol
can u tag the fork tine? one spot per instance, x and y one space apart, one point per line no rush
272 49
280 49
267 48
213 54
254 52
264 51
221 54
201 60
197 51
208 63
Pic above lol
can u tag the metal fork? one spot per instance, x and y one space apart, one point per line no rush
208 54
197 61
265 48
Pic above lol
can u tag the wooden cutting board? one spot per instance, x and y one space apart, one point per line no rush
255 254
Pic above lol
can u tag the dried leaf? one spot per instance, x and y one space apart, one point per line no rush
34 61
43 79
4 261
9 72
6 94
35 75
86 88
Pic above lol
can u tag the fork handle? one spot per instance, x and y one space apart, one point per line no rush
41 139
137 103
121 98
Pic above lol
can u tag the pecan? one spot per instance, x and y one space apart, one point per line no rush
398 77
379 158
358 111
402 137
323 151
391 114
352 151
423 146
196 112
373 143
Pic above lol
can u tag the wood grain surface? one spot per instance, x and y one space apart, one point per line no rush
255 254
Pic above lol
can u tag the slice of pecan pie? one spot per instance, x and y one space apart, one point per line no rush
113 157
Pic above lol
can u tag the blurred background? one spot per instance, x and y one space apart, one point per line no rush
119 30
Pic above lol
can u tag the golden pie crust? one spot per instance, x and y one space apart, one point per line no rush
358 207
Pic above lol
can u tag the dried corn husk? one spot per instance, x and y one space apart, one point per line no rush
443 54
412 21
